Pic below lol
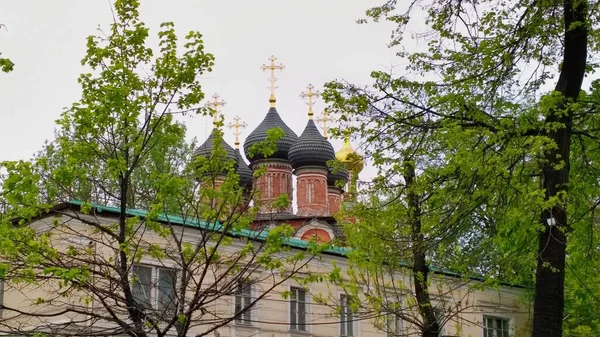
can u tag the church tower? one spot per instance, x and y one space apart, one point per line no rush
337 177
207 149
243 170
277 179
309 157
353 162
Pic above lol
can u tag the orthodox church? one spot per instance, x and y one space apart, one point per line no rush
320 190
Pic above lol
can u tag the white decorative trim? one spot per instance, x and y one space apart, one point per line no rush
314 224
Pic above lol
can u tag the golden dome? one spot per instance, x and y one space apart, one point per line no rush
351 160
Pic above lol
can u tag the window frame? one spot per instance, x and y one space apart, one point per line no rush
396 328
269 180
296 326
153 303
496 317
344 322
247 318
440 318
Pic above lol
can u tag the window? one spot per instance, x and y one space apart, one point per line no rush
439 317
243 300
1 295
154 287
310 191
298 309
284 184
269 185
346 317
394 326
495 327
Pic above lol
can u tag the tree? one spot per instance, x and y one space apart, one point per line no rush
6 65
118 150
479 84
408 222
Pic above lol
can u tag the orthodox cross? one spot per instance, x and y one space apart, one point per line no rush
309 94
216 106
236 126
272 67
323 120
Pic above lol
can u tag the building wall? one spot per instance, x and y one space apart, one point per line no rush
272 314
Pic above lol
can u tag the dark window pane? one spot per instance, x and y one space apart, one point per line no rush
243 300
166 289
142 286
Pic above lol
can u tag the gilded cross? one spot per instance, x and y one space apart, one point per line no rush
215 104
309 94
323 120
272 67
236 126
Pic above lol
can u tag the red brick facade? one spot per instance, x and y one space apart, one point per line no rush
311 185
334 199
276 181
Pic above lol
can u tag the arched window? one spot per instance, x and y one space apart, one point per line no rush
269 185
284 184
310 192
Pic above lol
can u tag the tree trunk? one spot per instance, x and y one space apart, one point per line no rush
550 272
420 270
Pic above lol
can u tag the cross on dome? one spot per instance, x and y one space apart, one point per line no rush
309 94
272 79
215 105
236 125
323 120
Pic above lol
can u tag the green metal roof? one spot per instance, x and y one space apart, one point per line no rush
195 223
255 235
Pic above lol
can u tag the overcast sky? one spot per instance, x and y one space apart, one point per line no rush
316 40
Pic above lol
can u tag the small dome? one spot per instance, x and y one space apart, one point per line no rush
206 149
351 159
311 149
272 120
340 174
243 171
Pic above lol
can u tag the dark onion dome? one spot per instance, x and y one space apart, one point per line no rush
311 149
272 120
339 174
243 171
206 149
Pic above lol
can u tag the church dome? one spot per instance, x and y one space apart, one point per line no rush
340 174
272 120
311 149
351 160
243 171
206 149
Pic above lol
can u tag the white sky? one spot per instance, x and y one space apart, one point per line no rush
316 40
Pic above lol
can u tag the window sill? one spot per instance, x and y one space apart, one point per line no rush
300 332
244 326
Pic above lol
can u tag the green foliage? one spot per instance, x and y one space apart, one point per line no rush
475 113
6 65
120 146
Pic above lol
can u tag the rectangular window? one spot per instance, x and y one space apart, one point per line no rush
298 309
346 317
166 290
394 326
495 327
154 287
243 301
142 286
1 295
439 317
